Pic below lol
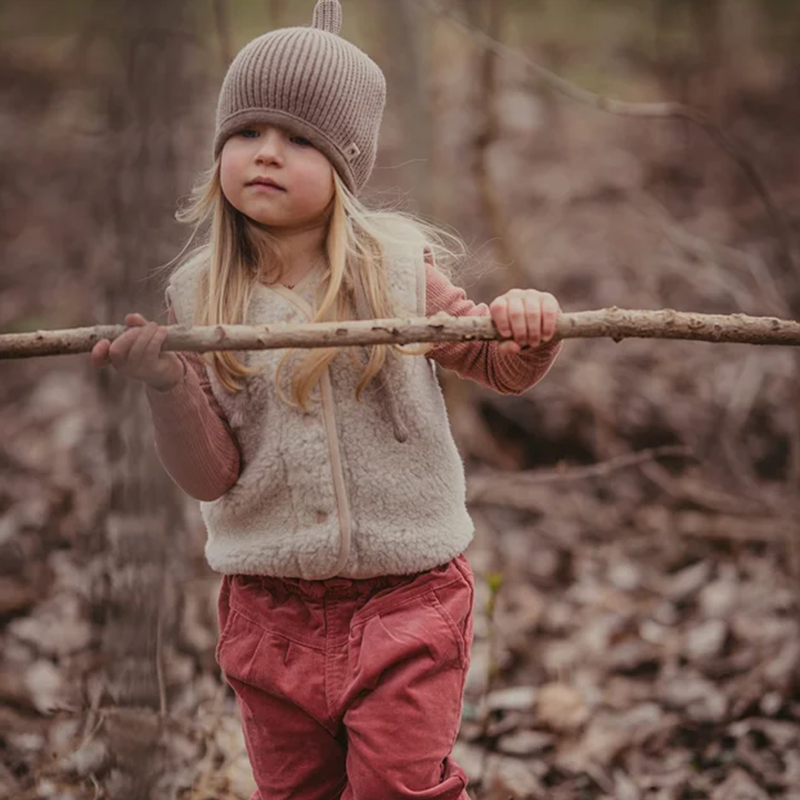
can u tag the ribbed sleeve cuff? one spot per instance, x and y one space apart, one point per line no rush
175 405
543 354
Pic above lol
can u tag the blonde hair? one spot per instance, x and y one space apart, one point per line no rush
238 253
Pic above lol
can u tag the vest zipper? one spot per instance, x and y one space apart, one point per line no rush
334 451
339 488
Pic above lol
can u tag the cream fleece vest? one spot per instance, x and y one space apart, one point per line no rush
332 492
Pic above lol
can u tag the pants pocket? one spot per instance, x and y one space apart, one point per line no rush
238 647
454 603
223 613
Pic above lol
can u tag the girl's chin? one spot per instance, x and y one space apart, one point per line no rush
264 222
276 224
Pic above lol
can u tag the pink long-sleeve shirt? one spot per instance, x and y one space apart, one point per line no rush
199 451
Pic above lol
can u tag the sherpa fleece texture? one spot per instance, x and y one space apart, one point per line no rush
339 495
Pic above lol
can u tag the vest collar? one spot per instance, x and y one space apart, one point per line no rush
314 274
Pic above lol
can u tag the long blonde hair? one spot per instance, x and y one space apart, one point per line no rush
238 253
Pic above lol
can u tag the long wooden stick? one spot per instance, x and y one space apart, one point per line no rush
615 323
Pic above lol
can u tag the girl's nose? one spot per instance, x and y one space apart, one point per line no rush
270 144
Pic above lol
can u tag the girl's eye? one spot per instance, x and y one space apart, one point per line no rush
301 141
244 132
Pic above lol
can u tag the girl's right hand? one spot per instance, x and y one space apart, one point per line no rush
137 354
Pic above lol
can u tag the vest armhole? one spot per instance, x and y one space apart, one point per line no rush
172 296
422 280
169 309
171 313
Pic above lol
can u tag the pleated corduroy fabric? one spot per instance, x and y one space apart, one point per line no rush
313 83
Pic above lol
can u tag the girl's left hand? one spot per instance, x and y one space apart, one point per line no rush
527 315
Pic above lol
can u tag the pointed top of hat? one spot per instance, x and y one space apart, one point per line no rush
328 16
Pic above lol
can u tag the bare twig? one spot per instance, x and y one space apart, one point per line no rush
615 323
492 488
727 528
720 262
665 110
686 489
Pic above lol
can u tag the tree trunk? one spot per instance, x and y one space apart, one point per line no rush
143 82
405 74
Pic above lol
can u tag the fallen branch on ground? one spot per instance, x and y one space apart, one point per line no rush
615 323
483 486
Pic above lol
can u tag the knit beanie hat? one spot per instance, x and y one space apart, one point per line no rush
314 84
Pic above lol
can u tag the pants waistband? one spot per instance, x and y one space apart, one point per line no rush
334 587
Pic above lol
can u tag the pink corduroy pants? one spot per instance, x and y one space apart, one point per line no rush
350 689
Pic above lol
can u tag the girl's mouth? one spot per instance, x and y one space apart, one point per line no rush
266 187
266 182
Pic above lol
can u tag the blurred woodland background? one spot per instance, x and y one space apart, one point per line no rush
637 548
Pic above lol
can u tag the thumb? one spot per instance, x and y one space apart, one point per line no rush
99 355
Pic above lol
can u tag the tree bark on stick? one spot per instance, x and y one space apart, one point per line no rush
615 323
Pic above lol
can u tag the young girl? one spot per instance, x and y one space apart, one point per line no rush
330 486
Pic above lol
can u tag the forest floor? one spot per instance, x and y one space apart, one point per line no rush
643 642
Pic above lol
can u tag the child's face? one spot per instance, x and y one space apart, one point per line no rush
303 173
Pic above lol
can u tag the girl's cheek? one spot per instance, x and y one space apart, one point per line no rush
227 185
